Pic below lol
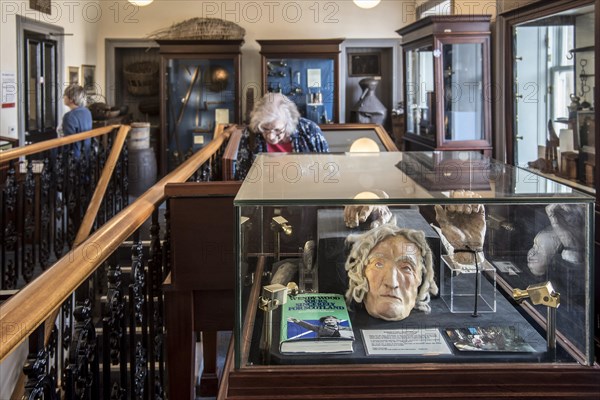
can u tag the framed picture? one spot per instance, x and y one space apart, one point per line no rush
586 128
88 78
41 5
364 64
73 75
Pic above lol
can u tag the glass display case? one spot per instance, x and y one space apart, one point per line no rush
447 83
200 88
555 136
509 251
307 72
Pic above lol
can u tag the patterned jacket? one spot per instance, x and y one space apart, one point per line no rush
308 138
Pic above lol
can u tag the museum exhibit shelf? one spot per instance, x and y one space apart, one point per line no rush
200 87
530 334
306 71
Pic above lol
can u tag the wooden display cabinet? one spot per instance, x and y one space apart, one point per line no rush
200 87
306 71
447 83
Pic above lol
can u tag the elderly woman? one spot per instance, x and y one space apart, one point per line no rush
78 119
276 126
390 270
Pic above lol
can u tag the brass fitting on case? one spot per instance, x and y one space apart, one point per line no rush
280 224
542 293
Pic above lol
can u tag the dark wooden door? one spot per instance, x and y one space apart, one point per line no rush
41 87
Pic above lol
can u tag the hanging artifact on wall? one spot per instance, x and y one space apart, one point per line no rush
369 109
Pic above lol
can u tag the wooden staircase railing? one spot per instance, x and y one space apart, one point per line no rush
65 284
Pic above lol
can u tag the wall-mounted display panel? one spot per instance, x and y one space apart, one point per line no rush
306 71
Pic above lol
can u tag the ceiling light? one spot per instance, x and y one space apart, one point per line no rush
366 3
140 3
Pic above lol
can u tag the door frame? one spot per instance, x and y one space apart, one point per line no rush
540 99
57 34
505 23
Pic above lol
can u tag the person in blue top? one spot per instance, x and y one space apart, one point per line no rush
276 126
79 118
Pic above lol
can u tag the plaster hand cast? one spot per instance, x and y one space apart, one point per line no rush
568 221
464 227
378 215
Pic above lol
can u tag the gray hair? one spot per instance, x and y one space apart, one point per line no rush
358 286
274 107
76 94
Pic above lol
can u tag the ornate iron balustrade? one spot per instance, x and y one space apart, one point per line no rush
94 321
44 198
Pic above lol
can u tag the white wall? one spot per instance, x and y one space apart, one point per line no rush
469 7
93 21
476 7
300 19
81 18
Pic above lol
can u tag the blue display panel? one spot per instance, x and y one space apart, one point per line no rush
201 93
309 82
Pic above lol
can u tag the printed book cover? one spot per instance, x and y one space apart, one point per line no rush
315 323
494 338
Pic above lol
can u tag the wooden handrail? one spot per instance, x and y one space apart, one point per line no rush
92 210
30 149
28 309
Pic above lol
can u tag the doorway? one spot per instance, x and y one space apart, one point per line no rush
39 60
387 52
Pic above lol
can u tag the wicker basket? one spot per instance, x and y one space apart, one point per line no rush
142 78
201 29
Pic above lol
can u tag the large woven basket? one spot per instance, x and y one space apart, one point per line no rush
142 78
201 29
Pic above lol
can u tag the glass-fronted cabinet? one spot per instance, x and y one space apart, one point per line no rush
307 72
200 88
447 83
552 129
480 272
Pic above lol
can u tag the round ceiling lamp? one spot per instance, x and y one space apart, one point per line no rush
140 3
366 3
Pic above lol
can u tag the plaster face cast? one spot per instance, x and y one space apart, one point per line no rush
394 274
390 270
